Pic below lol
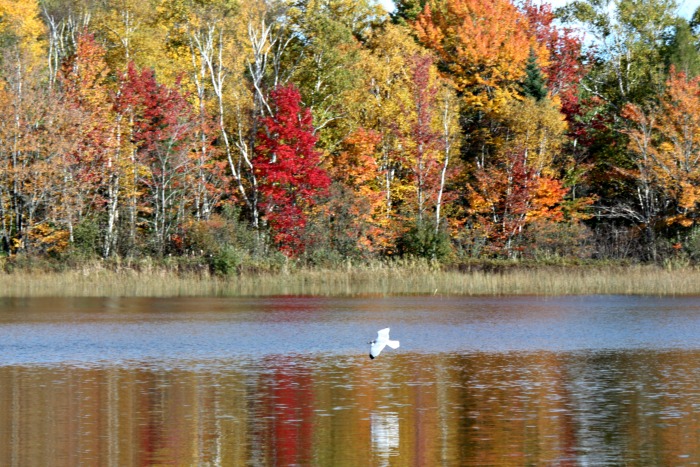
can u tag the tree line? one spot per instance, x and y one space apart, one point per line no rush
328 130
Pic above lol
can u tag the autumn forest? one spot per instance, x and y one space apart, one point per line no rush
324 131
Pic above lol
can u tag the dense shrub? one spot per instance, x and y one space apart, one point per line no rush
422 240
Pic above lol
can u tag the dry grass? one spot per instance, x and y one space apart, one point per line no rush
366 280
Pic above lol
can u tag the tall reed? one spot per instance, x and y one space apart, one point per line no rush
351 280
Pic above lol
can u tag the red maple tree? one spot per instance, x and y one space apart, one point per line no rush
287 166
162 132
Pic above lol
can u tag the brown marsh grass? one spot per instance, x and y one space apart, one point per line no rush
359 280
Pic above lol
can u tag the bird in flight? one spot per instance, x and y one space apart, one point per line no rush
382 340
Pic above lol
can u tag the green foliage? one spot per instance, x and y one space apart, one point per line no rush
324 61
547 240
407 10
689 244
323 257
422 240
226 261
206 237
86 237
682 51
629 38
86 158
534 84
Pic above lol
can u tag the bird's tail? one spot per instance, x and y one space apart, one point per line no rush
393 344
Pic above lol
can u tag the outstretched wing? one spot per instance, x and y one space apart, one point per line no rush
376 348
382 340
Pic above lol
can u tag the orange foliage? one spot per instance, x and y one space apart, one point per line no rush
506 197
483 43
547 200
356 168
666 142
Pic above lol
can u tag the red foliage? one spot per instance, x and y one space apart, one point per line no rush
84 74
83 80
507 197
163 115
565 69
287 166
163 127
426 166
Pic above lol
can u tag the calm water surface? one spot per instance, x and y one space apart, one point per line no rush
287 381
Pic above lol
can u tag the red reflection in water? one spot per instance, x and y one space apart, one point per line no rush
288 403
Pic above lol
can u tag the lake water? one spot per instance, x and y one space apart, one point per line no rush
287 381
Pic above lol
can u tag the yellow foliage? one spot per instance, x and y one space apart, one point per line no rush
49 238
22 19
16 244
538 128
689 195
666 146
665 141
388 104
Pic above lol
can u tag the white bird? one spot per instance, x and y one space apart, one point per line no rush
382 340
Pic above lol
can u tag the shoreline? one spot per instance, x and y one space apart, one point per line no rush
358 281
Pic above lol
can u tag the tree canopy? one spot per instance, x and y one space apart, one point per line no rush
330 130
